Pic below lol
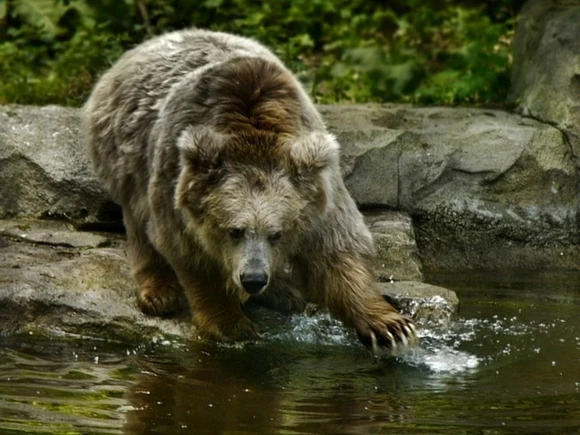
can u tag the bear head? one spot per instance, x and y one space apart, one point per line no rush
252 199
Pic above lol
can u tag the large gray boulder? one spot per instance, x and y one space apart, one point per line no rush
44 171
485 188
51 285
546 68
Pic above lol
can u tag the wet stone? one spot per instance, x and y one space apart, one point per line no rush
397 256
53 233
427 304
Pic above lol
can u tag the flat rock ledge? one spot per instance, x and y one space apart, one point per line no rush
55 280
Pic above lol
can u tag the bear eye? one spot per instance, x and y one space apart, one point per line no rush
272 238
236 233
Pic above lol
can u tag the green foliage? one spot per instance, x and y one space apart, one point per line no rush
442 51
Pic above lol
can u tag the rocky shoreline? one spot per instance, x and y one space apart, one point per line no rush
56 280
474 189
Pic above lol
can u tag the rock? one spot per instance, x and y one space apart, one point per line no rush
546 68
54 233
86 289
485 189
429 305
87 292
397 257
46 167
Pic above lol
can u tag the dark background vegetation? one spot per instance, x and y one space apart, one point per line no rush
418 51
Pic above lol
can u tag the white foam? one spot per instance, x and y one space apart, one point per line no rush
439 350
442 360
319 329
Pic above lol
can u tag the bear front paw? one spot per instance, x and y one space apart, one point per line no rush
389 332
230 330
160 300
283 298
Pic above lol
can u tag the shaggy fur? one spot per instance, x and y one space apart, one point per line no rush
230 187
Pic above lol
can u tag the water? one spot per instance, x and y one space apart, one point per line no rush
509 364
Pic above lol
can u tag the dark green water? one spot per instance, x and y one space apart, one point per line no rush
510 364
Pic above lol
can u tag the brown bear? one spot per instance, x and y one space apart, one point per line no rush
230 188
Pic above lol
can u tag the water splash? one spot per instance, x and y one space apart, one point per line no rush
438 352
318 328
447 345
442 360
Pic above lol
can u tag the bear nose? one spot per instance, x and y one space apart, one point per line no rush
254 282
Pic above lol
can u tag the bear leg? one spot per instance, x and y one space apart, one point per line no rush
214 303
224 323
346 285
282 296
160 293
217 312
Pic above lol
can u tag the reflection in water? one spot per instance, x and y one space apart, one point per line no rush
266 388
509 364
49 388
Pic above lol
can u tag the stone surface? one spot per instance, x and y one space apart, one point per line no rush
397 257
86 289
44 171
546 68
58 289
430 305
485 189
54 233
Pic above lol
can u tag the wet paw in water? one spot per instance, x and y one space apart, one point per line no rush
226 330
387 334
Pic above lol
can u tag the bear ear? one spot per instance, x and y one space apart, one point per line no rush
201 148
201 160
314 161
314 152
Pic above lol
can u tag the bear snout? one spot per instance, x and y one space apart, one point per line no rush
254 281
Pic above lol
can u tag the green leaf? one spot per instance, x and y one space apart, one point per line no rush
45 14
213 3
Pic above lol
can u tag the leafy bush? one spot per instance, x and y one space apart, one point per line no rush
443 51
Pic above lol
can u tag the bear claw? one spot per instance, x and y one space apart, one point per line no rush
388 334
